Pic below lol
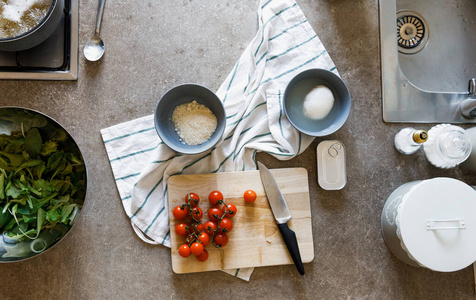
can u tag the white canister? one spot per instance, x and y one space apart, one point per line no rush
432 223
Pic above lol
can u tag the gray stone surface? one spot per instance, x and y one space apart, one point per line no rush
154 45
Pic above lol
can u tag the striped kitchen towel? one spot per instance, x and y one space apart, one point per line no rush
252 94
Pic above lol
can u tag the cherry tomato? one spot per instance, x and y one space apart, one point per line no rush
180 212
203 256
197 214
204 239
181 229
230 210
196 248
250 196
226 225
210 227
214 197
194 199
220 239
184 250
214 214
190 239
197 228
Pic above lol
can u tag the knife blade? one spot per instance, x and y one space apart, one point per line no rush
281 214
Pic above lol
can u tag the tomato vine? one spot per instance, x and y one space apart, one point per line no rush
198 236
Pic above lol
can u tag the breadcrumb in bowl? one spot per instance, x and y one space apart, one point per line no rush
194 123
199 121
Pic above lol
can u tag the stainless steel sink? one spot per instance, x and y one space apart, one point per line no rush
428 58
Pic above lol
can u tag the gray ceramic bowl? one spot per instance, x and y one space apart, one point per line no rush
16 119
297 90
179 95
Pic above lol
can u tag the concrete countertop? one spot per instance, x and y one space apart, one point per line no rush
155 45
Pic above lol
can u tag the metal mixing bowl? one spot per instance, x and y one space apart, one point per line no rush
18 119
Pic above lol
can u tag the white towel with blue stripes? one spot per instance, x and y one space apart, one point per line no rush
252 94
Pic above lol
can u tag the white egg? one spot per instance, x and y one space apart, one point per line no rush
318 103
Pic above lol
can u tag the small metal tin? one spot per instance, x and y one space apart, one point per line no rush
331 169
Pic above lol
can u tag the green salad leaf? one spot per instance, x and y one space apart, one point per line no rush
42 183
33 142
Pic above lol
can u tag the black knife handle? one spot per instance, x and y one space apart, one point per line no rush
291 243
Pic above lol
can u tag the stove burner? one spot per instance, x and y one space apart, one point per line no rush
54 59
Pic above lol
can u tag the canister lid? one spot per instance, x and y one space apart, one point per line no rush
331 169
437 222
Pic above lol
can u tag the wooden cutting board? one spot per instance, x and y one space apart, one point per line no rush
255 239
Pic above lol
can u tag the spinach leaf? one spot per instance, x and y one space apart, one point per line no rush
40 219
2 187
14 159
33 142
12 191
9 225
42 184
4 217
48 148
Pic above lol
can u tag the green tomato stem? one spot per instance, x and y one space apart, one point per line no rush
219 223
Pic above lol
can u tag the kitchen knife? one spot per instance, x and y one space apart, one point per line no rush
281 214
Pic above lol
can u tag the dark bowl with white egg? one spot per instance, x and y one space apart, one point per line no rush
212 122
317 102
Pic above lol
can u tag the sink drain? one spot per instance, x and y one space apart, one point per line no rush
412 32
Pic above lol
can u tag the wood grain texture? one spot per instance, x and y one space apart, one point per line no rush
255 239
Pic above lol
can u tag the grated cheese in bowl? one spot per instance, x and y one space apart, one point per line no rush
190 118
194 123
